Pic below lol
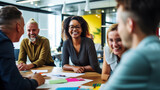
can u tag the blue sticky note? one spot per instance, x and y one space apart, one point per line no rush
24 71
67 88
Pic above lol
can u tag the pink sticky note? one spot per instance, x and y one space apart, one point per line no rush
74 79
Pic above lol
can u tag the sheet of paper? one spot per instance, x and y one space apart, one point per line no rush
63 75
39 71
68 74
69 84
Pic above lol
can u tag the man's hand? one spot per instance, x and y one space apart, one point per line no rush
38 77
23 66
78 69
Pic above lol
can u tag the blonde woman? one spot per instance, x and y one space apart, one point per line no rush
112 52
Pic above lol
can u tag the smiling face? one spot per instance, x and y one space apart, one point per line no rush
115 42
75 29
32 31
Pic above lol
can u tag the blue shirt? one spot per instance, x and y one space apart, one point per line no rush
10 78
139 68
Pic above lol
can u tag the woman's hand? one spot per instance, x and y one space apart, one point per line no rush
78 69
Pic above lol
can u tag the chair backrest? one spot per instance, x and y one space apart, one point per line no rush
16 54
100 55
98 46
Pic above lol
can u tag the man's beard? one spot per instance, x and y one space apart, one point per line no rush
32 39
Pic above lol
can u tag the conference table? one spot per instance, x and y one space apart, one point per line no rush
96 77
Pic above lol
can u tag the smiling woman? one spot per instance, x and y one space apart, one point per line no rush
112 52
78 47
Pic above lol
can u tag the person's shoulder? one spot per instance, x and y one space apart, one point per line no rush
107 50
106 47
42 37
110 57
67 42
150 52
4 40
87 40
25 40
131 53
134 57
5 45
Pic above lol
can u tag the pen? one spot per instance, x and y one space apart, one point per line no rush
44 75
60 75
35 72
67 88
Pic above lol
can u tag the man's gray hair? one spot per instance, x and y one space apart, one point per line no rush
8 14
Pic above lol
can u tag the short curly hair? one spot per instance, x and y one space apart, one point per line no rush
83 23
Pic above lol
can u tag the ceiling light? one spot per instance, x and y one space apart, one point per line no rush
31 2
102 11
79 10
64 8
87 8
113 10
26 1
36 4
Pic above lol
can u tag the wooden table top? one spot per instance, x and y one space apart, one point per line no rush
96 77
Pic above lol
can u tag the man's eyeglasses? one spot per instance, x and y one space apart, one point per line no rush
76 27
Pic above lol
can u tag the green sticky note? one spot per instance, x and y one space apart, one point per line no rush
57 81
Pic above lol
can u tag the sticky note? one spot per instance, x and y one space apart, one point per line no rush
57 81
74 79
96 88
67 88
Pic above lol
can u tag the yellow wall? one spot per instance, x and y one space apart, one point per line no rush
94 22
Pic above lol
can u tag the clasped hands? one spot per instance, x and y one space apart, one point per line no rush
78 69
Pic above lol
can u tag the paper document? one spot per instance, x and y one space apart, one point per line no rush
67 74
39 71
69 84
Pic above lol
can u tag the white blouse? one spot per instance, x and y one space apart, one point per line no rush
111 58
